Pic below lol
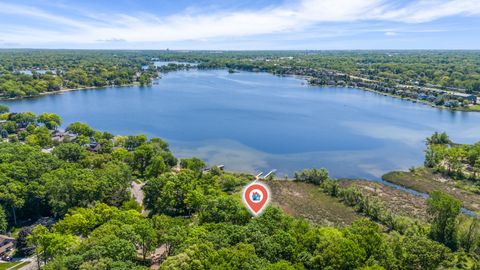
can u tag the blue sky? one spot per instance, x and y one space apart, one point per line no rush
241 25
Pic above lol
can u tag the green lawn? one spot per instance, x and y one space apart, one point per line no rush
4 266
474 108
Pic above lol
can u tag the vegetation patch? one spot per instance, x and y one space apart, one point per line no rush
398 201
425 180
308 201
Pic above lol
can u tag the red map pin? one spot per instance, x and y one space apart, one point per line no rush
256 197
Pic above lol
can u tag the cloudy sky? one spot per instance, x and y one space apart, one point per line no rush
241 25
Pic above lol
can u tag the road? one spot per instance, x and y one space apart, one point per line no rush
32 263
137 193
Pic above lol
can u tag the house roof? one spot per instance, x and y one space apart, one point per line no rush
463 95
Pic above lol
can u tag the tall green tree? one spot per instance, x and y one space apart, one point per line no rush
3 220
12 194
147 237
443 211
50 120
313 176
70 152
80 128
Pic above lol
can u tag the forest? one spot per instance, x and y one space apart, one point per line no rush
67 198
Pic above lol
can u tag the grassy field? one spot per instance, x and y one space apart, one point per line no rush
307 201
12 265
474 108
424 180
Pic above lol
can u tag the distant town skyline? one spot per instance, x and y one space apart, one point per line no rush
241 25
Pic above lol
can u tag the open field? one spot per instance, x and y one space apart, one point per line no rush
424 180
308 201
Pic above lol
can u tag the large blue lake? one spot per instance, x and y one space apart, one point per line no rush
256 122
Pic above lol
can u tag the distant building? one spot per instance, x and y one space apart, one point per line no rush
94 146
471 98
61 136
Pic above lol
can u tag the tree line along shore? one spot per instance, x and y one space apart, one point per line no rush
444 79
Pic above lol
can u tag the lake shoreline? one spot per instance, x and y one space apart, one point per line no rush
459 109
69 90
298 76
187 108
426 181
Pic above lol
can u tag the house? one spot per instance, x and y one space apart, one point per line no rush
471 98
94 146
60 136
422 96
6 244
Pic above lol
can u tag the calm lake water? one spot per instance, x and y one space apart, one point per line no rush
256 122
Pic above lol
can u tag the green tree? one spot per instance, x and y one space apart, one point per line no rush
50 120
133 142
70 152
142 156
469 233
443 211
3 220
313 176
72 187
80 129
422 253
240 256
147 237
439 138
156 167
367 234
115 179
41 137
223 209
12 194
194 257
173 194
194 164
24 119
48 244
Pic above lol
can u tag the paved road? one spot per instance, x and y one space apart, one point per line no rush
32 263
137 193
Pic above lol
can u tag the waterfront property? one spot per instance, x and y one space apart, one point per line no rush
469 97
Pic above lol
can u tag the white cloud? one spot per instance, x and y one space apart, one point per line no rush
200 26
429 10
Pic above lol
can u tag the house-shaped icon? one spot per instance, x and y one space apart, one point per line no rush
256 197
